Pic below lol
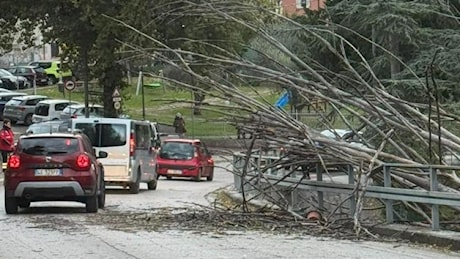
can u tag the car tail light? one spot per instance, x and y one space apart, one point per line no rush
83 162
132 145
73 116
22 108
14 162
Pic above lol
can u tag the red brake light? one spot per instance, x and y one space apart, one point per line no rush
14 162
83 161
73 116
22 108
132 145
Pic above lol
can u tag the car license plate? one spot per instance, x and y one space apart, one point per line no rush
48 172
171 171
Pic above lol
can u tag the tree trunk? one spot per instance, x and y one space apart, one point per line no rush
111 80
198 98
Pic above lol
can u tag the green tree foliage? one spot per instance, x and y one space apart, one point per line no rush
412 31
91 32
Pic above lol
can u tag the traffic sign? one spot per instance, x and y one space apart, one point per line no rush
117 105
69 85
116 93
116 99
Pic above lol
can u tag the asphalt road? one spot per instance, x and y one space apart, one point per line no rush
64 230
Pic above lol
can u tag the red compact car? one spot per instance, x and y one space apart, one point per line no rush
185 158
54 167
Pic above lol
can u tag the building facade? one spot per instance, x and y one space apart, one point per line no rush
294 7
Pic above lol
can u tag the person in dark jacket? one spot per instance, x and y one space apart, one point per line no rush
6 140
179 125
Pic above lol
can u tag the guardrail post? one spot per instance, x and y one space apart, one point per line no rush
237 171
294 199
388 203
351 180
258 171
319 177
434 207
271 170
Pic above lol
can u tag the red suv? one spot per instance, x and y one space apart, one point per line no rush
54 167
185 158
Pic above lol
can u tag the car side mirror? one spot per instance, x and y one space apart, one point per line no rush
102 154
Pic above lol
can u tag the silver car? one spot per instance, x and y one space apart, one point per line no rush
22 108
78 111
12 82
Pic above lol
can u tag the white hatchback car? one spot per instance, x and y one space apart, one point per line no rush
50 109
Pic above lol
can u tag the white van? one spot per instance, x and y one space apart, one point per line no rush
50 109
130 146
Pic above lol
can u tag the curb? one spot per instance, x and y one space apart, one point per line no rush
422 235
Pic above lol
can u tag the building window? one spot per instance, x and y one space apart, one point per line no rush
302 3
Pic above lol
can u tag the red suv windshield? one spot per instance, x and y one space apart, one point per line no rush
173 150
48 146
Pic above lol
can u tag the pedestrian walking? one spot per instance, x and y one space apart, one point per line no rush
179 125
6 140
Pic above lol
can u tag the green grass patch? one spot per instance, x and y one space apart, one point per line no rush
162 104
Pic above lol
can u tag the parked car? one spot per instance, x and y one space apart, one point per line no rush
130 146
76 111
12 82
52 69
22 108
55 126
5 97
31 73
345 135
50 109
185 158
4 89
56 166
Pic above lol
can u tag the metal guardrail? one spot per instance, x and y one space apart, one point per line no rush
386 192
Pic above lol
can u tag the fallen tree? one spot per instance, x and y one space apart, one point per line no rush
391 129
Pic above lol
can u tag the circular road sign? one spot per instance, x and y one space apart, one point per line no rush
117 105
69 85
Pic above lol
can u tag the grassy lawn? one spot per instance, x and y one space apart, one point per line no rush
210 123
161 105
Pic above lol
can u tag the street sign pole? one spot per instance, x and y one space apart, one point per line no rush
35 83
69 85
70 100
